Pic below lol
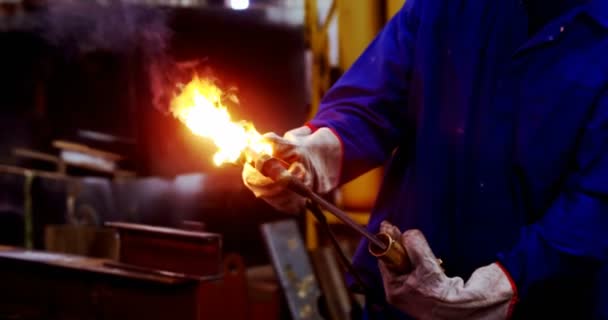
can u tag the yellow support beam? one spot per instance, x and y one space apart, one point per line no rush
359 21
317 36
392 6
358 24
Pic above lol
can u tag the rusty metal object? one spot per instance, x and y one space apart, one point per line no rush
192 253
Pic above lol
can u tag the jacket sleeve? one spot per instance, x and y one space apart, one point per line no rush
571 239
367 105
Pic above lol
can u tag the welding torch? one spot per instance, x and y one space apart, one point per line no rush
381 245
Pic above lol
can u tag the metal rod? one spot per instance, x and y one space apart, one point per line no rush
301 189
276 169
346 219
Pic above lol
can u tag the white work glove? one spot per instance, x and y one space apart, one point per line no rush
427 293
315 159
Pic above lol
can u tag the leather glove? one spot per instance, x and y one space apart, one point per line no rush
427 293
315 159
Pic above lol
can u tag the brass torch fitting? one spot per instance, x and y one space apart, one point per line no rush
393 254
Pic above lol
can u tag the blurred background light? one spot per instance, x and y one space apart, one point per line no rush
239 4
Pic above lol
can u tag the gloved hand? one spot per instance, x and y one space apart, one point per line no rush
315 159
427 293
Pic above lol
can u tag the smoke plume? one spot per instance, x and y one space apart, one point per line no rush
78 28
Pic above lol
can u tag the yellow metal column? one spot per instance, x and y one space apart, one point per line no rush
392 6
317 36
318 41
359 21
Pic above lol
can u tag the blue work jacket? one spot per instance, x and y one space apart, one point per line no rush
495 144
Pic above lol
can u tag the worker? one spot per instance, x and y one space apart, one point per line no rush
491 118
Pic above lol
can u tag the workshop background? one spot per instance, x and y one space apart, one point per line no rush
110 208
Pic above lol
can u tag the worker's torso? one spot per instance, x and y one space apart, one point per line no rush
497 119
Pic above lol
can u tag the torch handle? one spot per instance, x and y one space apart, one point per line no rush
273 168
381 245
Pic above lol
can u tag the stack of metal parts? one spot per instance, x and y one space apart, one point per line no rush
32 201
161 273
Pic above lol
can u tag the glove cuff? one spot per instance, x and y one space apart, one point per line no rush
311 126
515 297
329 157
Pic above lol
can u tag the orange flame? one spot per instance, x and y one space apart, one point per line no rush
199 106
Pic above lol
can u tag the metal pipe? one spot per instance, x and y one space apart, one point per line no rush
302 190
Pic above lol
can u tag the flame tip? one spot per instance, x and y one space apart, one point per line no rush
199 106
